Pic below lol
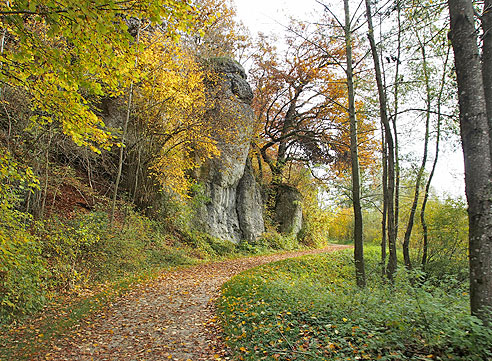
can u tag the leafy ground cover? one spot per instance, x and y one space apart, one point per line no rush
311 309
169 316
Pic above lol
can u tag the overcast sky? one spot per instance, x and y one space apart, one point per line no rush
265 15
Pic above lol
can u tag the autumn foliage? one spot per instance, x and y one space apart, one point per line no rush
301 103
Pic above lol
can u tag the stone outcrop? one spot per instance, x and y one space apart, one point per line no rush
234 209
288 210
249 205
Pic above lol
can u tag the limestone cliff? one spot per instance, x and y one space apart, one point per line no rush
234 208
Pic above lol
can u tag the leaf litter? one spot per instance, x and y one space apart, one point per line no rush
170 318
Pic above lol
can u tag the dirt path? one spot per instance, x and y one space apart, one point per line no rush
171 318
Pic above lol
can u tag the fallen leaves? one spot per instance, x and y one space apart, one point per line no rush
172 317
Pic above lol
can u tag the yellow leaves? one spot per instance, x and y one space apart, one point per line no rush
170 104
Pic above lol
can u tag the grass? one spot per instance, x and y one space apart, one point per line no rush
311 309
119 260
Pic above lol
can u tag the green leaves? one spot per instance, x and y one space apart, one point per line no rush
68 53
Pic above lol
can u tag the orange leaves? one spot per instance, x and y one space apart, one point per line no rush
301 102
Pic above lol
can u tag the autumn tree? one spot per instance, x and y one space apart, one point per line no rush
216 32
63 55
300 102
170 105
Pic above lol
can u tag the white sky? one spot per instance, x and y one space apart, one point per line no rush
268 16
265 15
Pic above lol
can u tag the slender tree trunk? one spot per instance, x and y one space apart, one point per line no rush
385 203
425 246
358 223
476 150
46 177
394 121
123 138
137 170
418 180
121 155
392 261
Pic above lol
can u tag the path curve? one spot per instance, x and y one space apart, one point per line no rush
171 318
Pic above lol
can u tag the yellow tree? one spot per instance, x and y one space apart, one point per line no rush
67 53
216 31
171 101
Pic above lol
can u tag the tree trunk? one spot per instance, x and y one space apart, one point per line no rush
46 178
385 204
425 246
358 236
123 136
418 180
487 61
476 150
392 261
394 121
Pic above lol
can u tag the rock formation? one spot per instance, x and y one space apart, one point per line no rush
288 210
234 208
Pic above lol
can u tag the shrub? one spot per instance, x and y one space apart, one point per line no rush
209 246
275 241
22 269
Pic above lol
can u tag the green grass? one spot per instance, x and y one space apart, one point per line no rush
310 309
86 264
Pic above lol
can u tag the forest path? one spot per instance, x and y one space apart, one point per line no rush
170 318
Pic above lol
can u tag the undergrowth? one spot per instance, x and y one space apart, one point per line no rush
311 309
69 267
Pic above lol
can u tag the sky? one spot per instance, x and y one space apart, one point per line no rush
268 16
265 15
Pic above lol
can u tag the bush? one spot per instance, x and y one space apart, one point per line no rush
22 269
209 246
275 241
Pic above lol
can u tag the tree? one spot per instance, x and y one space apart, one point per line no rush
298 104
216 31
169 114
427 83
474 95
388 136
62 54
301 103
354 156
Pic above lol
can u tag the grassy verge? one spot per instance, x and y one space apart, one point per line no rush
310 309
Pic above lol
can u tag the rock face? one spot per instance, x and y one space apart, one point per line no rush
234 209
249 205
288 210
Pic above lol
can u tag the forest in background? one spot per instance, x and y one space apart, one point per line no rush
84 202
